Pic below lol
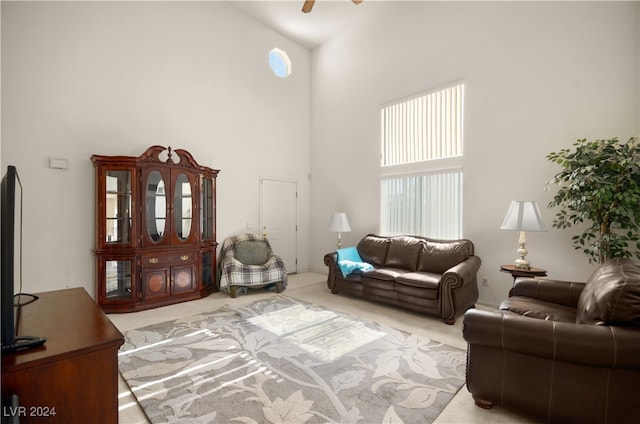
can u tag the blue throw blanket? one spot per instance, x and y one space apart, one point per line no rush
349 260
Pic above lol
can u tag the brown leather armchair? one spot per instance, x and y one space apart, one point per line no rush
561 352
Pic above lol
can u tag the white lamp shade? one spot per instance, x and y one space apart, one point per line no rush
523 216
339 223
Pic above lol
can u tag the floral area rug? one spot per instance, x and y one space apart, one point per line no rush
281 360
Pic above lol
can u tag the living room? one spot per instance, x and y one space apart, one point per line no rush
113 78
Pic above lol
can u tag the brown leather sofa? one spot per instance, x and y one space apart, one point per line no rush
435 277
561 352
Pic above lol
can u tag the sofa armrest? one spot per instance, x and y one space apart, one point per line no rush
462 273
459 288
331 261
593 345
555 291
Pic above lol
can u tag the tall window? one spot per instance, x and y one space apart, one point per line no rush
421 169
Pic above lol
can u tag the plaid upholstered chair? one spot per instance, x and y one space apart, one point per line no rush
247 261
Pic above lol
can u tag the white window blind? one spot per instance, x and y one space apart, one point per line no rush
423 128
421 169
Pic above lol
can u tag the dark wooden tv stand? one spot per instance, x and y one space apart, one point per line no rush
73 378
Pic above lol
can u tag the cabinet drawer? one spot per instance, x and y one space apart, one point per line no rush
169 259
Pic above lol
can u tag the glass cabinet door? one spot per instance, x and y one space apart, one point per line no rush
118 207
183 207
207 209
208 270
155 206
118 279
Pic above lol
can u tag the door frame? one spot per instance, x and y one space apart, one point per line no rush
261 225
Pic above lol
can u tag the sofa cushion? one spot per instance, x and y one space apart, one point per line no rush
415 292
378 285
419 284
612 295
535 308
440 256
373 249
252 252
387 274
403 253
425 280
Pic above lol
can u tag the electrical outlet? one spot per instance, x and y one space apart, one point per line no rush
485 283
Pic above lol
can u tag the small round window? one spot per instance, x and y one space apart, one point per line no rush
280 63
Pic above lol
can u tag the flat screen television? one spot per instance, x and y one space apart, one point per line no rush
11 265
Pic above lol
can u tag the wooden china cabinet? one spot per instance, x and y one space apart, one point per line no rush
155 229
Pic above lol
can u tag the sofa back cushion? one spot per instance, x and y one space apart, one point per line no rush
439 256
612 295
252 252
373 249
403 253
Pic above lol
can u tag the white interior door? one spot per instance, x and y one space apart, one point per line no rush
279 218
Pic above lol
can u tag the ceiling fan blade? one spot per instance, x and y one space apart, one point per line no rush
307 6
356 1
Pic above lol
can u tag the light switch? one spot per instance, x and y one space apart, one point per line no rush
58 163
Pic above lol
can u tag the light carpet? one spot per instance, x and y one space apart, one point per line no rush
281 360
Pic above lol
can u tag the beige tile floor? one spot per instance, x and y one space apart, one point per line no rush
311 287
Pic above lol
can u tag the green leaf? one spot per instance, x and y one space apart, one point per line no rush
599 183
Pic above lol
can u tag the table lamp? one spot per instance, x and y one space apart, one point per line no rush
523 216
339 224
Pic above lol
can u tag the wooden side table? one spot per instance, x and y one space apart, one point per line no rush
515 272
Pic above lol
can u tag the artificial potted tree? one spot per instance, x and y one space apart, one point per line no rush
600 186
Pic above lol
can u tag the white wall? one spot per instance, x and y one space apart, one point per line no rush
538 75
83 78
113 78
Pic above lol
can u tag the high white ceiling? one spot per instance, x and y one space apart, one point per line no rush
328 17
